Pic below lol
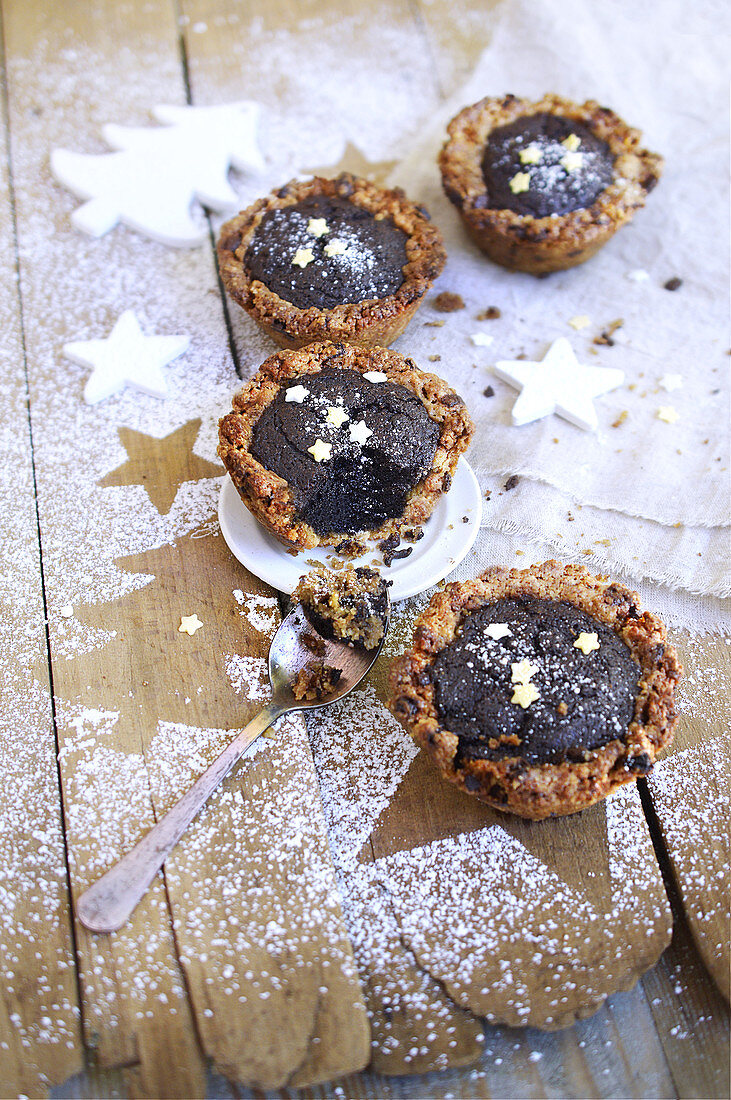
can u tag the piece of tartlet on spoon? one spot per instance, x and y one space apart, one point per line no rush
323 648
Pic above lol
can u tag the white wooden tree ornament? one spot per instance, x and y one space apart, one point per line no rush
150 182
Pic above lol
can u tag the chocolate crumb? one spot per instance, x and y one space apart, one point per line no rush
492 313
488 494
465 519
673 284
447 302
413 534
402 553
314 643
488 392
511 482
388 544
606 336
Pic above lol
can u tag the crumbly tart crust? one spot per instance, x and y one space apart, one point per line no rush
269 497
541 245
371 323
352 604
512 784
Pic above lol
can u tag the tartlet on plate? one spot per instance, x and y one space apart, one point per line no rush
539 691
334 441
542 184
331 259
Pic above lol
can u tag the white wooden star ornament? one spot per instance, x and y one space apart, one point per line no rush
155 172
126 358
560 384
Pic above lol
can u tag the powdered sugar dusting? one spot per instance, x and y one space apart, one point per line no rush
361 754
690 791
271 874
413 1021
261 611
481 913
249 677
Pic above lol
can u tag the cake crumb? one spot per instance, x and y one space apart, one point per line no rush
446 302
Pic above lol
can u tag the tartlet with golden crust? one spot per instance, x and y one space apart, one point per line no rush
512 784
540 245
370 323
269 496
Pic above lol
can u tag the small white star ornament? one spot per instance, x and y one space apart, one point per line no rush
151 179
126 358
560 384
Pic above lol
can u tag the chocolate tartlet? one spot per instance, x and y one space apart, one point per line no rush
542 185
334 441
539 691
328 259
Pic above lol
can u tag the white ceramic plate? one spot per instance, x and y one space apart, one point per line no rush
447 539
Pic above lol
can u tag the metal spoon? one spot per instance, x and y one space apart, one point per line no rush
106 905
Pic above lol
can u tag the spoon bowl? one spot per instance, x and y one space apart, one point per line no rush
109 903
289 653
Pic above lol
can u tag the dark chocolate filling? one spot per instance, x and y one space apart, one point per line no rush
552 189
371 266
361 485
585 700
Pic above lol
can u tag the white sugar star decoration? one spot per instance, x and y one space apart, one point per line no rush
296 394
321 451
303 257
126 358
336 416
318 227
375 376
360 432
525 694
523 671
496 631
335 247
586 642
560 384
189 624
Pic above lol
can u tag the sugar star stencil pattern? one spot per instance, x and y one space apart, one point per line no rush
560 384
161 465
126 358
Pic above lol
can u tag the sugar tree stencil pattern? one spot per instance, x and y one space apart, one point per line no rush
155 173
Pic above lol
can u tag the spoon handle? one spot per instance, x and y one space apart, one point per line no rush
106 905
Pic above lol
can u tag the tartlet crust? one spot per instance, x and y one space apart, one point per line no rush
269 497
512 784
371 323
523 242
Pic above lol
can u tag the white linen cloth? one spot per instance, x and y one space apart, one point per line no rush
655 495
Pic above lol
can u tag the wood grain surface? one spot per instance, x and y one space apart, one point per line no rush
36 947
290 924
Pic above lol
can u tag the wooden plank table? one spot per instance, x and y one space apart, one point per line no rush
255 968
